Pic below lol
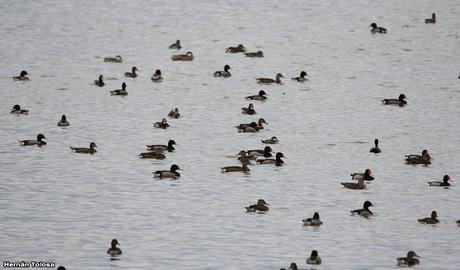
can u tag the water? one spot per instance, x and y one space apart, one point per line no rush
64 207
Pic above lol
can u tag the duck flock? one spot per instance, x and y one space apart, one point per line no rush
246 160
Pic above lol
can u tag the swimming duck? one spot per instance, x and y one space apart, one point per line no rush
245 158
430 220
172 173
359 185
174 113
314 258
224 74
364 212
157 76
37 142
367 175
277 161
272 140
410 260
113 59
17 110
244 168
444 183
392 101
131 74
176 45
22 76
314 221
183 57
259 124
61 268
120 92
432 20
114 250
83 150
376 148
100 81
162 147
260 97
254 54
376 29
163 124
251 127
249 110
257 153
293 266
270 81
419 159
154 155
239 48
261 206
63 122
301 78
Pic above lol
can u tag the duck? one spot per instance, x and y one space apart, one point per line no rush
237 49
245 158
176 45
153 155
100 81
270 81
131 74
376 29
301 78
172 173
254 54
114 250
359 185
249 110
63 122
174 113
398 102
84 150
250 128
224 74
61 268
38 142
244 168
259 124
162 147
120 92
22 76
293 266
314 221
376 148
266 152
183 57
367 175
272 140
261 206
260 97
314 258
364 212
277 161
410 260
432 19
17 110
113 59
444 183
419 159
163 124
156 77
430 220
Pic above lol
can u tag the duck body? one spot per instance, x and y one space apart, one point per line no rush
443 183
63 122
120 92
258 54
364 212
39 141
172 173
256 126
100 81
176 45
301 78
277 161
132 74
248 110
156 77
113 59
83 150
270 81
431 20
375 29
22 76
367 175
174 113
376 148
259 97
17 110
261 206
430 220
314 258
400 101
223 74
244 168
313 221
424 158
266 152
238 49
272 140
152 155
183 57
163 124
162 147
114 250
410 260
359 185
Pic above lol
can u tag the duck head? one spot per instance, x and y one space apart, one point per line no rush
262 202
240 46
303 74
433 16
279 76
368 172
412 254
158 72
373 25
23 73
267 149
401 97
434 214
164 122
262 93
316 215
280 155
123 86
251 106
92 145
314 254
134 69
425 153
101 78
114 243
16 107
189 54
63 118
226 67
376 142
293 266
367 204
174 168
262 121
171 143
446 178
40 137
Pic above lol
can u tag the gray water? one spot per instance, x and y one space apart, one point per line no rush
64 207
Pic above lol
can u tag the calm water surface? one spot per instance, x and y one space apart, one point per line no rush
65 207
